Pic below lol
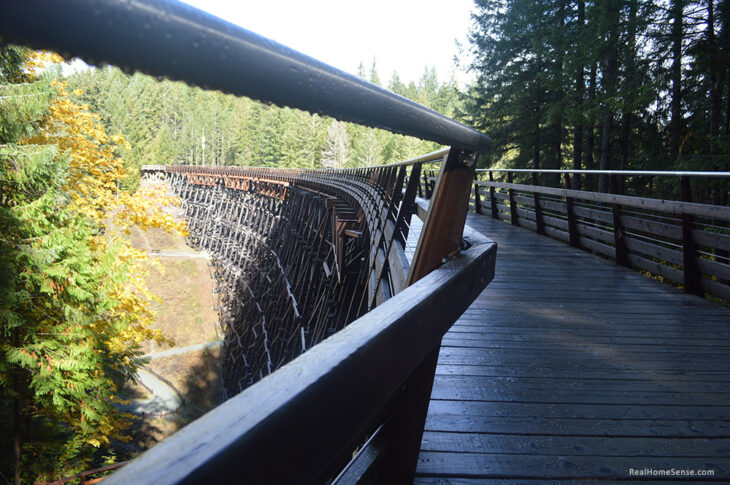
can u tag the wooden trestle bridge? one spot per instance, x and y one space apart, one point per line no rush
362 343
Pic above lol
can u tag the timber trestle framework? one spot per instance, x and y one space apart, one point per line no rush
296 254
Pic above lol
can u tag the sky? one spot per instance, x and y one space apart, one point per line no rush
401 35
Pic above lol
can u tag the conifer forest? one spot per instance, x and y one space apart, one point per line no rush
561 84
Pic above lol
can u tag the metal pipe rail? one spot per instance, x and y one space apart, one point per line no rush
667 173
168 38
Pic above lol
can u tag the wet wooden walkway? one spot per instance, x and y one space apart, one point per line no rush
570 368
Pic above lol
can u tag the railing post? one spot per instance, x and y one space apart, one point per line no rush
477 202
572 223
426 184
539 222
692 276
407 207
440 239
514 217
619 235
493 198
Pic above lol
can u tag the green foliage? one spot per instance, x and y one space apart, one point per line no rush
615 84
165 122
11 63
73 304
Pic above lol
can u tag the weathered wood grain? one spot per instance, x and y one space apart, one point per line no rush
568 368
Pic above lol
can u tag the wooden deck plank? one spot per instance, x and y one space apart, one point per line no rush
487 465
574 446
572 428
568 368
539 411
432 480
663 377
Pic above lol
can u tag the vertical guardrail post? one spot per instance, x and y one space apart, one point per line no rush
619 235
493 198
572 223
477 202
440 239
426 184
692 276
539 222
514 218
407 207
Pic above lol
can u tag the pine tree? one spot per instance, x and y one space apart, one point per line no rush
616 84
73 303
336 152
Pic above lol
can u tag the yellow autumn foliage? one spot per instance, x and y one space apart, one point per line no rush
94 173
37 61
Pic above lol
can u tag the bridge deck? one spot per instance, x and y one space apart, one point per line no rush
568 367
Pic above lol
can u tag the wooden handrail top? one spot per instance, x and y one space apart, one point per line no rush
669 206
325 400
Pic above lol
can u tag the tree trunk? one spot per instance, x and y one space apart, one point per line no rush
607 128
610 70
714 75
726 130
591 134
579 94
560 94
536 113
625 143
675 125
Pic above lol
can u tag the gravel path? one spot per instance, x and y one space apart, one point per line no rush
184 350
179 254
165 398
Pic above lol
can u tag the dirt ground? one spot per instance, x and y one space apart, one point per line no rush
197 376
187 314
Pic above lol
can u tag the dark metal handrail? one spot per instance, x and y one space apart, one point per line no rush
168 38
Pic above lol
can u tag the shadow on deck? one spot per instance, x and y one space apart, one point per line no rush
568 367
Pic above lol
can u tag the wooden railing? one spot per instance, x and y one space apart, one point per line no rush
275 234
83 477
352 408
683 242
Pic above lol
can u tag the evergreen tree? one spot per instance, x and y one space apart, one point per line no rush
616 84
73 303
165 122
336 146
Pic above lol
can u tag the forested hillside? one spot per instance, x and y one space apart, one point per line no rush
74 305
170 122
611 84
